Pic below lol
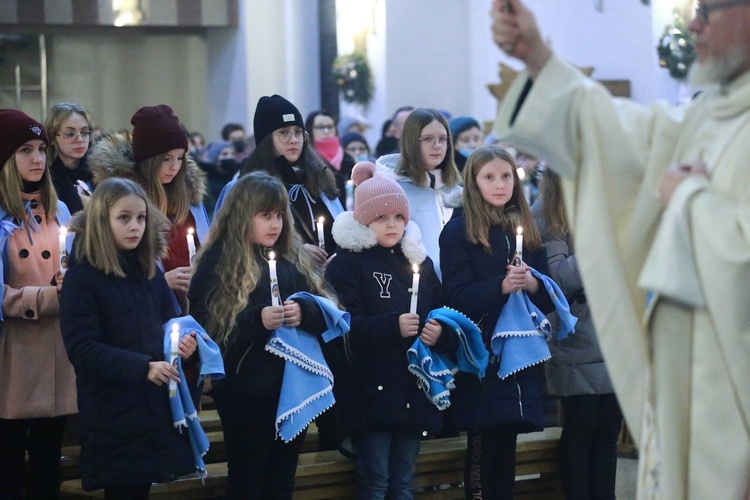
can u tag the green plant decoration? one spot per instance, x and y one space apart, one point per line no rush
354 78
676 49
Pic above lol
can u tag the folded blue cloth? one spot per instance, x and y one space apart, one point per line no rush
183 410
521 332
307 387
435 370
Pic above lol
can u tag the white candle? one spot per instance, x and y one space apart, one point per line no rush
414 290
350 195
519 244
321 235
191 246
63 249
275 297
174 352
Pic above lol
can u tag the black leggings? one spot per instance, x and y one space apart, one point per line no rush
490 471
42 438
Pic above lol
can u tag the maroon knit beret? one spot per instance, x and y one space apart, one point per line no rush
16 127
156 130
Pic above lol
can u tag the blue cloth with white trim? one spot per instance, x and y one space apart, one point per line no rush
307 386
435 370
184 413
521 332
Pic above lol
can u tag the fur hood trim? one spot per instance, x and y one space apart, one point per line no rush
112 156
354 236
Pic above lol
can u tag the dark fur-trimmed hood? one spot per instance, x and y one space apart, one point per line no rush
112 156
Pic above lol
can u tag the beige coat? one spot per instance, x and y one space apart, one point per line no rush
36 378
688 358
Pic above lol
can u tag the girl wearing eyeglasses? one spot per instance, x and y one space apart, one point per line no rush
283 150
37 382
70 128
322 128
427 172
155 156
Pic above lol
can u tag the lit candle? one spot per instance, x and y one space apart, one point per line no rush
350 195
519 244
191 246
63 249
414 290
321 235
275 297
174 352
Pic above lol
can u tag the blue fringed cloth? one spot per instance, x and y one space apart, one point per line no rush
435 370
307 386
184 413
521 332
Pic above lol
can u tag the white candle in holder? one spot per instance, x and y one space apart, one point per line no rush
191 246
321 234
275 297
63 249
174 352
414 290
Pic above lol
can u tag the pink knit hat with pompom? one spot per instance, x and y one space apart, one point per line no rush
376 195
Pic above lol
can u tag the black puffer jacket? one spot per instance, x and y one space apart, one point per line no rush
112 328
250 369
472 283
374 390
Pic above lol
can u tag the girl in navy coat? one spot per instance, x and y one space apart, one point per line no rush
477 254
380 404
231 297
112 307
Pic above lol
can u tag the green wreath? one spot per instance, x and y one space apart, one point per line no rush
354 78
676 49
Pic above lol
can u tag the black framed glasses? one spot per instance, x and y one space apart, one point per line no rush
71 136
702 12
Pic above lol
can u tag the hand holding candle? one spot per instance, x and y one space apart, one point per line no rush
321 234
63 250
191 246
414 290
275 297
174 339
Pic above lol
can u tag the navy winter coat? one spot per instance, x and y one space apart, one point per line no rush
112 328
472 284
374 390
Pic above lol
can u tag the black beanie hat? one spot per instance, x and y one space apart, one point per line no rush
273 113
156 130
16 127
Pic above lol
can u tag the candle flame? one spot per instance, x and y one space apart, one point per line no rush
271 255
191 231
321 220
415 268
519 230
63 230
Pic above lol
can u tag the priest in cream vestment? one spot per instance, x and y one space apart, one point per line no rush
659 198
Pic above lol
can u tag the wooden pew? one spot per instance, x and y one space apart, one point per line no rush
330 475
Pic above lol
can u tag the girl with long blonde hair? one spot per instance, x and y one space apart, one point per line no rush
480 271
231 296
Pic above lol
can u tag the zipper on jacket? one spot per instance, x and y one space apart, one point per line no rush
520 396
239 363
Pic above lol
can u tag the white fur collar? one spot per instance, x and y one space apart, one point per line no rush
354 236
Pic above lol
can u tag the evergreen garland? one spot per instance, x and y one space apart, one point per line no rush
676 49
354 78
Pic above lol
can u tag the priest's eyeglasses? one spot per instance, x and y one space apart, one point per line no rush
703 11
70 136
285 135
